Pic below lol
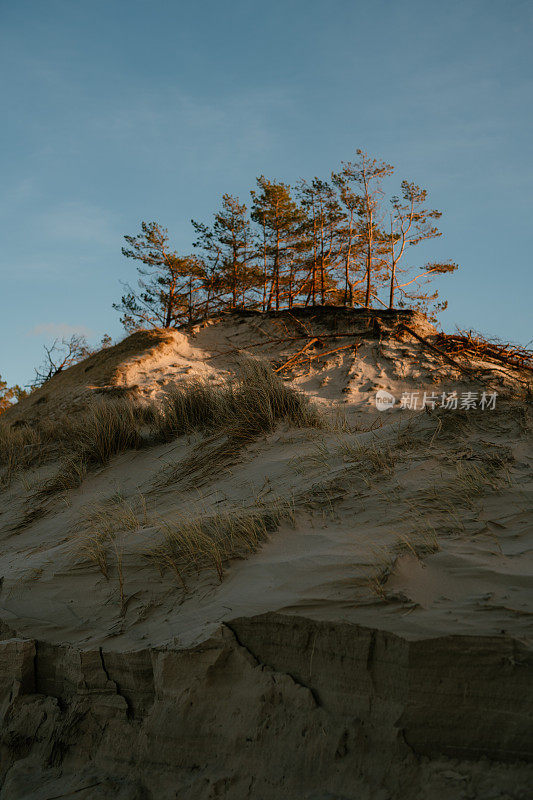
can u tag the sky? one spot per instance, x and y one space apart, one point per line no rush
127 110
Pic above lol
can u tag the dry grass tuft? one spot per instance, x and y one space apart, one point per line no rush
240 410
96 432
94 548
69 476
248 406
193 543
91 440
106 429
232 415
420 542
19 448
471 480
204 461
100 524
359 459
369 460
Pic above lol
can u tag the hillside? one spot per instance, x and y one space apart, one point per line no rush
294 593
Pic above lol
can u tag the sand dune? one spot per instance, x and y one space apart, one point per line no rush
376 642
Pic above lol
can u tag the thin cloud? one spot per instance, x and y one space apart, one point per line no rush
243 120
59 329
80 222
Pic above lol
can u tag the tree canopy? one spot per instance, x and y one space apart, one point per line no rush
10 395
324 242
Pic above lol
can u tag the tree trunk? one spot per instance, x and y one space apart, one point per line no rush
368 279
265 269
393 264
347 282
291 276
322 296
170 303
276 270
370 238
207 301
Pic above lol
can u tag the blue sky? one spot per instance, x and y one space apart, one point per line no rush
125 110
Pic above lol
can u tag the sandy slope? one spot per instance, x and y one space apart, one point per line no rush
414 523
348 517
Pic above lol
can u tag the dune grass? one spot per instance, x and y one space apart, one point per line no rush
230 416
205 460
371 460
193 543
358 460
469 481
249 405
252 403
97 529
104 429
19 448
419 541
93 434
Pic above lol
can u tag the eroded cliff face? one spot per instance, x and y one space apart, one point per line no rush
272 706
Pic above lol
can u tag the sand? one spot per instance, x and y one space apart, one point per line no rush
412 526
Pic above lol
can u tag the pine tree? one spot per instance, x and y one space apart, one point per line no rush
411 224
227 247
334 243
323 234
213 289
168 283
351 240
279 219
10 395
367 174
